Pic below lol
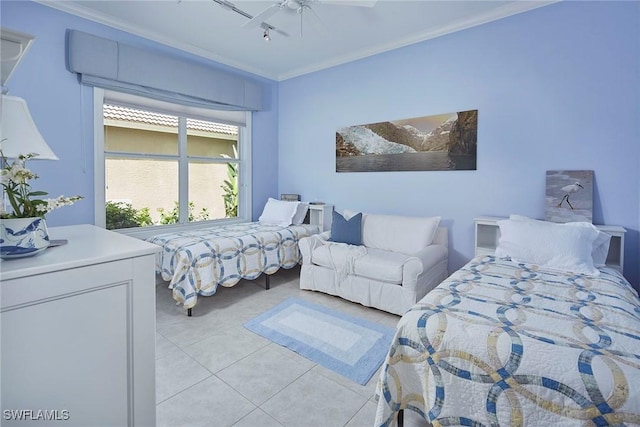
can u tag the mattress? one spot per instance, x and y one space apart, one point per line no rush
196 262
507 344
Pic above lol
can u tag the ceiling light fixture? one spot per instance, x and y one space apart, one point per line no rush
227 5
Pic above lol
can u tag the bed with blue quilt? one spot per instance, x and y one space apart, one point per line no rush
503 342
196 262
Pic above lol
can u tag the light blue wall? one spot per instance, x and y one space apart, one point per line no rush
555 88
63 109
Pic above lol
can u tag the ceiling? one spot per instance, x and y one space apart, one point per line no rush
332 33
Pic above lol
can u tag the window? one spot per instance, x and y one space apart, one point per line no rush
167 165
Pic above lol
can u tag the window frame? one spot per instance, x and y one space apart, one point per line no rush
244 177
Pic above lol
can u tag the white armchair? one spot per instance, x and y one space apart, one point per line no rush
382 277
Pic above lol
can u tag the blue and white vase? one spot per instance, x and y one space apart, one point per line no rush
23 237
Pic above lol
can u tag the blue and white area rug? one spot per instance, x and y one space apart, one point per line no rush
352 347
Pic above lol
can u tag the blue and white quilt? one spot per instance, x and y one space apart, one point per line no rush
507 344
196 262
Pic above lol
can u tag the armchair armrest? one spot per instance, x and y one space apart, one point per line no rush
432 255
421 262
308 244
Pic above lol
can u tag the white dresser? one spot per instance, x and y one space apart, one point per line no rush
78 332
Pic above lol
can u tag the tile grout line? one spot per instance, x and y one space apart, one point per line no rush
182 391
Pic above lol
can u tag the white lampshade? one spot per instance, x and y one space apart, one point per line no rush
18 132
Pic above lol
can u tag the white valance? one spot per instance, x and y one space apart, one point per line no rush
116 66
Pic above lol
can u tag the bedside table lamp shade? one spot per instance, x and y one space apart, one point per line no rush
18 132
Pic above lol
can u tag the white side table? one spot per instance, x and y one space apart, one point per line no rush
321 215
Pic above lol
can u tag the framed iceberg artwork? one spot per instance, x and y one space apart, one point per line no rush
430 143
569 196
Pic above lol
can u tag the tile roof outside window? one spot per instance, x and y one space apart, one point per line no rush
114 112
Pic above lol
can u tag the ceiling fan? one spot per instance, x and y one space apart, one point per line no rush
301 6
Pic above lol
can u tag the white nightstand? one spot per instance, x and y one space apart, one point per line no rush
321 215
487 234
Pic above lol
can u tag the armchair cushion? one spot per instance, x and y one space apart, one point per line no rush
374 263
381 265
331 256
402 234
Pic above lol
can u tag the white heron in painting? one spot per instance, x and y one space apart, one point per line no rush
569 190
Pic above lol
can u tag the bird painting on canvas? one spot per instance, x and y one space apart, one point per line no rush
569 195
568 190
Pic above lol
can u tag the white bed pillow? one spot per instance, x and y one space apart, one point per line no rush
278 212
600 248
301 213
550 245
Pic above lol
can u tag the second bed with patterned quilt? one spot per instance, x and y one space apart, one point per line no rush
197 262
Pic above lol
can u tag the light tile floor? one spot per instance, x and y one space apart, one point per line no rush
211 371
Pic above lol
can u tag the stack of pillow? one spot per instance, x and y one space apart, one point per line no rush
283 213
575 247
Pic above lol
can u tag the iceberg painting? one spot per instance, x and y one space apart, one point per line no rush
428 143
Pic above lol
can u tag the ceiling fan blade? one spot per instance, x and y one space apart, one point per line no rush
260 17
357 3
282 33
310 16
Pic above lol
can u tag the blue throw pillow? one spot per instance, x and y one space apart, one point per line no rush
346 231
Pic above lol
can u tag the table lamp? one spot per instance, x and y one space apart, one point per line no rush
18 132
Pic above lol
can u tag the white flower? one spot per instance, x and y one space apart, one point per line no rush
56 203
20 174
14 179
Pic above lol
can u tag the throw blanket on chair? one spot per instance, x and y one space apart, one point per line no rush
348 260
